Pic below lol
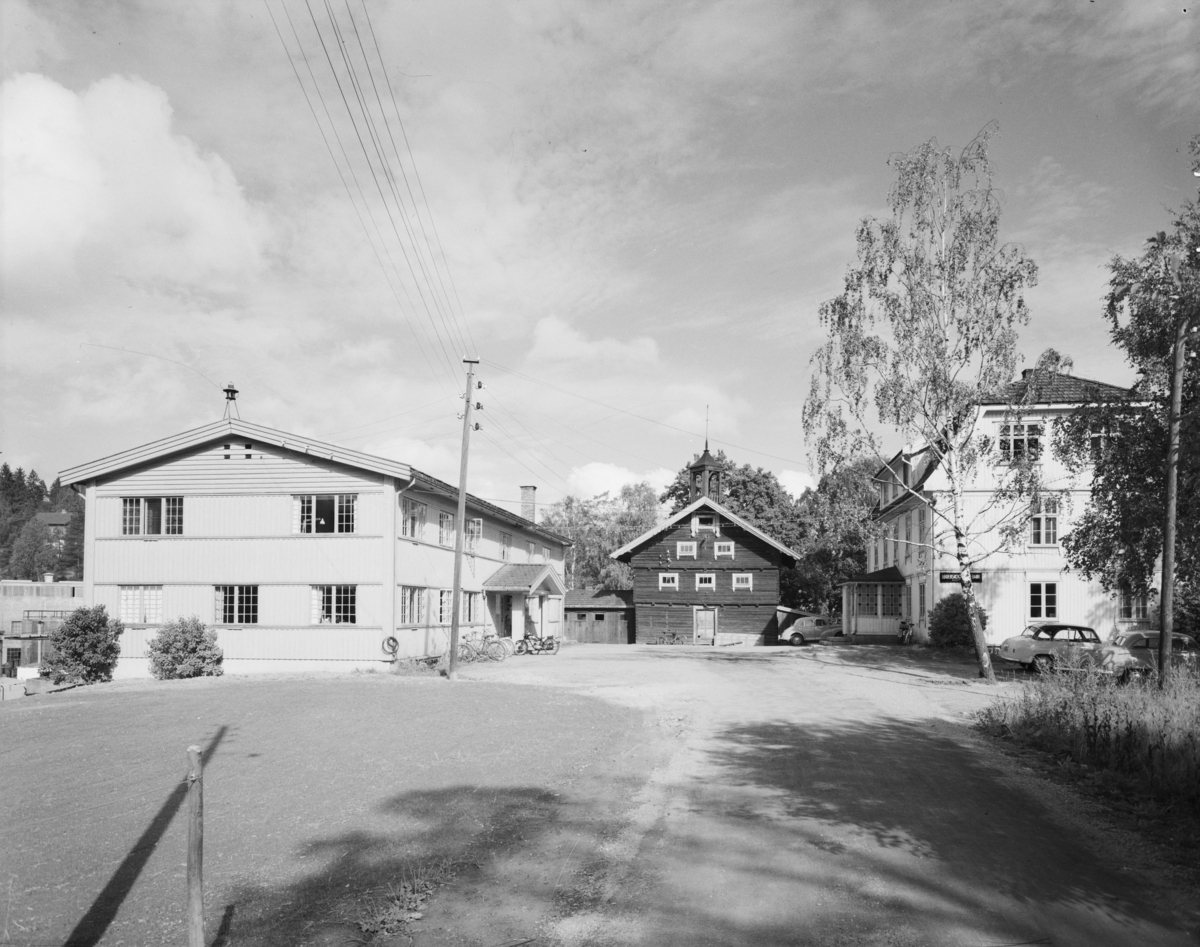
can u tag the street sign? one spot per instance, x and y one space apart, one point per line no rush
953 578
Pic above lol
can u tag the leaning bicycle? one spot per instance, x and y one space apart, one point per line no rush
481 649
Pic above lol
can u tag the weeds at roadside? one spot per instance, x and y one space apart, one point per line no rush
418 667
404 902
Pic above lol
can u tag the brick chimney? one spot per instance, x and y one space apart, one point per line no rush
529 503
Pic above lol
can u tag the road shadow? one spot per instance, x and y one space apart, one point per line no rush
948 663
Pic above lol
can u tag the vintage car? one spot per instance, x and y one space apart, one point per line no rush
810 628
1037 646
1135 654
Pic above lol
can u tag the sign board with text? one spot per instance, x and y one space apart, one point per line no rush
953 578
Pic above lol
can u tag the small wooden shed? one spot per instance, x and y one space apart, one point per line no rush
599 616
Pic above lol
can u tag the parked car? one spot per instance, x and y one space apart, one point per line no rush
810 628
1135 654
1037 645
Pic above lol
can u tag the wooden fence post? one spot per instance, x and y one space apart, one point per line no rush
195 854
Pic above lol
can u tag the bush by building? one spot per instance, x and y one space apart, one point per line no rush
84 649
185 648
950 623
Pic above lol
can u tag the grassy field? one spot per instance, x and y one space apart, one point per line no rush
324 798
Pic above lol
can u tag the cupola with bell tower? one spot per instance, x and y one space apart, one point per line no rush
705 477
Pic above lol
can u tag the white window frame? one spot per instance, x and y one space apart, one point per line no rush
908 538
469 610
1133 607
135 517
545 554
412 605
723 551
334 605
505 547
304 513
1020 440
243 599
685 550
746 579
714 526
412 518
530 551
445 606
445 528
668 581
1043 524
141 604
473 536
706 586
1043 601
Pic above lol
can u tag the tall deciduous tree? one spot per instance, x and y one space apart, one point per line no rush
598 526
923 333
33 554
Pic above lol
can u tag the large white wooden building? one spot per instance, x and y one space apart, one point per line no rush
300 553
912 565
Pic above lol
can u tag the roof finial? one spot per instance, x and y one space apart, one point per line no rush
706 427
231 394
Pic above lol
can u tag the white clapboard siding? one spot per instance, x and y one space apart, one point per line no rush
311 643
186 601
325 559
269 470
224 515
134 641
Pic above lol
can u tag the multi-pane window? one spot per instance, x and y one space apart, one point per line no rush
908 601
1043 525
884 543
1020 441
891 601
1134 607
473 534
896 543
685 550
545 554
921 525
334 604
412 519
236 604
445 606
907 537
706 581
529 547
743 582
412 605
668 580
143 516
723 551
324 513
141 604
445 528
1043 599
706 522
921 600
866 598
506 546
470 607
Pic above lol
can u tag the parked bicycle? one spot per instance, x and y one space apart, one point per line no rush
671 637
906 632
488 648
535 644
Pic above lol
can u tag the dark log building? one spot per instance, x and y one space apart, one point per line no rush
706 574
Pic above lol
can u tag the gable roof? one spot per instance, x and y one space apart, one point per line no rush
525 578
600 598
235 428
626 552
1057 388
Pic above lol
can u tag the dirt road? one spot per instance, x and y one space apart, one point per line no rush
836 797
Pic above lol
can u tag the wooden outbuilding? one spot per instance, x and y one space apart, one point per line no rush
600 616
705 573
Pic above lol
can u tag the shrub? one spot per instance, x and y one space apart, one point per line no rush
185 648
84 649
950 623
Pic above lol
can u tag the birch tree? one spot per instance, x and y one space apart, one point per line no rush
922 335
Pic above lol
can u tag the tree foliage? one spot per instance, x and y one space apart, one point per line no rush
599 526
84 649
925 332
950 622
1118 538
33 553
185 648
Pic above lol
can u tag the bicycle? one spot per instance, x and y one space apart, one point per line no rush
488 648
671 637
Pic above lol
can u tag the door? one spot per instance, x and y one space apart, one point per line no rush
506 616
705 628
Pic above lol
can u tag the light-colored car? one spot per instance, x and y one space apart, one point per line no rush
809 628
1038 644
1135 654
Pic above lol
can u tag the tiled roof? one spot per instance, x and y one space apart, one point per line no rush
890 574
515 578
600 598
1056 388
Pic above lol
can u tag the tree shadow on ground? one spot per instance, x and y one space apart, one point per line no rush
954 663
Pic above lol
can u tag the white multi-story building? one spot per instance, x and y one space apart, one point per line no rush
912 565
302 553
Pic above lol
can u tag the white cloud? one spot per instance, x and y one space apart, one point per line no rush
595 478
556 341
796 482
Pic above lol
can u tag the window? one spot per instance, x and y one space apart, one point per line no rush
706 522
599 616
668 580
896 542
469 613
743 582
141 604
1043 525
412 605
882 494
891 601
545 554
506 546
334 604
921 600
581 616
324 513
1043 599
685 550
866 598
445 528
907 537
705 581
529 552
474 535
921 525
1020 441
1134 607
143 516
908 602
445 606
412 518
236 605
723 551
875 555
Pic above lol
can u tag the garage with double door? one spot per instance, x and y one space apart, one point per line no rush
599 616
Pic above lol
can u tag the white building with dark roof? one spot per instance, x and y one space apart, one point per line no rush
299 553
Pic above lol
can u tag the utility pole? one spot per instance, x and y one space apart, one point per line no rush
460 521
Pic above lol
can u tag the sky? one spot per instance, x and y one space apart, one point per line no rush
630 212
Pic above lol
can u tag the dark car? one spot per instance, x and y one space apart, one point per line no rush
1135 654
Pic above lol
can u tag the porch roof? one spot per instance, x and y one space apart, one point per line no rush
890 575
530 579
